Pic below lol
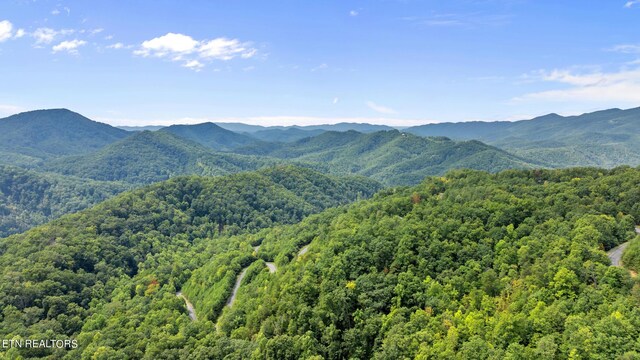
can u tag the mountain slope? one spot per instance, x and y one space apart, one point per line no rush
28 198
470 265
603 138
146 157
43 134
285 135
210 135
391 157
63 272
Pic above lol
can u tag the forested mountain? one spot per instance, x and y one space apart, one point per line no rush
145 157
469 265
605 138
391 157
29 137
59 276
211 136
28 198
285 135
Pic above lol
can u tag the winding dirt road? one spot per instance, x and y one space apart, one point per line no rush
190 308
615 254
236 287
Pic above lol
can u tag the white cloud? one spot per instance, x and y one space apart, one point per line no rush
96 31
6 29
19 33
194 53
225 49
379 108
69 46
47 35
626 48
353 13
169 44
631 3
617 88
194 65
116 46
335 100
55 12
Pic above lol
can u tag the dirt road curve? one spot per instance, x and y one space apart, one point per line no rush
615 254
236 287
190 308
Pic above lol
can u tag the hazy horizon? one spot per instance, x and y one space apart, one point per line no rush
290 121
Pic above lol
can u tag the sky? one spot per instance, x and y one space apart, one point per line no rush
285 62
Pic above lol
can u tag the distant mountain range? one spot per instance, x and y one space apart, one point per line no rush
603 138
265 133
105 153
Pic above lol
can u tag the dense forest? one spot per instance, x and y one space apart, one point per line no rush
194 242
468 265
391 157
147 157
57 274
29 198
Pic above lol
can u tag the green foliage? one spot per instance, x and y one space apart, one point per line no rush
631 255
147 157
391 157
29 198
130 254
470 265
477 266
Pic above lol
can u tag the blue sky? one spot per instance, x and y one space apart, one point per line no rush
397 62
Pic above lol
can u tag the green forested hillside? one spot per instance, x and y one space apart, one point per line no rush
29 137
28 198
58 275
470 265
285 135
606 138
211 136
146 156
391 157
